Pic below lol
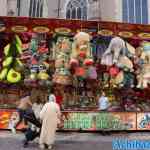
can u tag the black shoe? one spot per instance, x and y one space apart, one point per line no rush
25 145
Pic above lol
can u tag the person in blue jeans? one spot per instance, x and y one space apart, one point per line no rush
103 102
24 108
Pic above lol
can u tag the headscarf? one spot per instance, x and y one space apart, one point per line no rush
52 98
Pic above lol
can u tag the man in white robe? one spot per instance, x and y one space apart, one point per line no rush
50 116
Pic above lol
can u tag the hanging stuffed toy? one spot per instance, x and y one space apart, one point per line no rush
81 50
62 50
144 76
118 53
81 56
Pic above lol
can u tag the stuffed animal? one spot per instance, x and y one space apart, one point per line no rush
118 53
81 49
144 76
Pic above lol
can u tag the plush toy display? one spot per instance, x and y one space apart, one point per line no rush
37 63
62 51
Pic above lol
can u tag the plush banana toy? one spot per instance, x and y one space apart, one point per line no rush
12 66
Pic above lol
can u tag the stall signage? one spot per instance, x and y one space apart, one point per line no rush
41 29
2 26
19 29
86 121
100 121
143 121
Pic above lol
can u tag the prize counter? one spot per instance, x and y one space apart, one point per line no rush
79 60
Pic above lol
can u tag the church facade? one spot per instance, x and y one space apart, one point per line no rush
133 11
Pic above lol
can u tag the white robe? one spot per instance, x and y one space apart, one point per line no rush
49 115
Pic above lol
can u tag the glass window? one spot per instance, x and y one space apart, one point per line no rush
73 13
36 8
135 11
68 14
76 9
131 11
138 11
79 13
144 11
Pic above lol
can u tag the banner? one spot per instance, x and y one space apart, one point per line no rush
86 121
100 121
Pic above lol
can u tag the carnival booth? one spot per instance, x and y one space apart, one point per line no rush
80 60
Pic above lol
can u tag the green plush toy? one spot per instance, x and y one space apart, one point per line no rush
12 66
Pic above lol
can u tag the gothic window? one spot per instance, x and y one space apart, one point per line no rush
76 9
36 8
18 7
135 11
79 13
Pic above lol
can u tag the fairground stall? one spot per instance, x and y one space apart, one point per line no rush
79 60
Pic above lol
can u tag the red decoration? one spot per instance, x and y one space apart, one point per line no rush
43 50
80 72
113 71
34 61
82 54
88 62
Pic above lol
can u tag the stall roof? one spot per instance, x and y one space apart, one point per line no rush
25 24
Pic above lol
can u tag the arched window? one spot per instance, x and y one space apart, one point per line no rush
135 11
36 8
79 13
76 9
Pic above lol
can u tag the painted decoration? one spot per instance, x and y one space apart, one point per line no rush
41 29
143 121
19 29
144 35
62 31
105 32
125 34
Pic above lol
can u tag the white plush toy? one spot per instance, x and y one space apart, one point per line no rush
81 49
117 53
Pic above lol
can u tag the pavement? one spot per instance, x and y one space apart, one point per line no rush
70 141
